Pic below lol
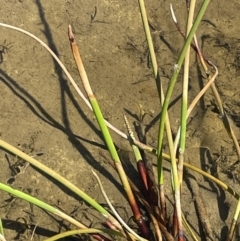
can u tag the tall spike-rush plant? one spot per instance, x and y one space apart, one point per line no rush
107 137
176 181
164 117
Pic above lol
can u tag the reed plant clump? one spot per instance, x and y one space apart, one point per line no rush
150 196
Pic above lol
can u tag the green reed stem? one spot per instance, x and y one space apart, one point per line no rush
172 84
150 42
1 228
28 198
40 204
173 80
83 231
107 137
160 93
184 108
183 126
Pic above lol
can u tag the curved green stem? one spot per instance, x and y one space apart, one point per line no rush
83 231
60 179
40 204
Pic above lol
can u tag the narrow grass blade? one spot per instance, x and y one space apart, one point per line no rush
234 222
84 231
40 204
1 228
47 207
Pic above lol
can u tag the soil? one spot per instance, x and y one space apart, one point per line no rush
42 114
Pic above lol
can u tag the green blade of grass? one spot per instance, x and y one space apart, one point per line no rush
1 228
48 208
184 108
40 204
83 231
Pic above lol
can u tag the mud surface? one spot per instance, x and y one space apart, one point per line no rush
42 114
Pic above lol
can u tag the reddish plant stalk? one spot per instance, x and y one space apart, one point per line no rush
143 174
132 201
175 223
